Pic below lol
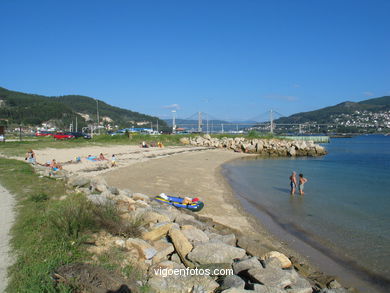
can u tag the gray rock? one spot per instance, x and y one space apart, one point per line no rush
99 200
233 281
215 252
113 190
271 277
336 290
247 264
266 289
176 258
195 235
184 219
229 239
180 284
79 181
140 196
252 247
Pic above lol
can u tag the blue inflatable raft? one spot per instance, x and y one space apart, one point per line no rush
177 202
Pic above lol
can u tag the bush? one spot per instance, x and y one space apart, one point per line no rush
107 217
39 197
72 216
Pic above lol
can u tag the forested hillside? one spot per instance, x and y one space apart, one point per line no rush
30 109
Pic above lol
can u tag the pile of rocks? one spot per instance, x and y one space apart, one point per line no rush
269 147
175 240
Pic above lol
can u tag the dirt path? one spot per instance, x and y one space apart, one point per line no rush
6 220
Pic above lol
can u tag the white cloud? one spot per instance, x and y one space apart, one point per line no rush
173 107
368 94
281 97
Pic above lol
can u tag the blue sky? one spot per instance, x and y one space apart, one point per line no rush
231 59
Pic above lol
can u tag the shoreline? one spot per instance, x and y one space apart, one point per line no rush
170 174
305 247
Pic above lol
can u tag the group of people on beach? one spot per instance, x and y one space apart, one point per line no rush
101 157
301 183
153 144
56 166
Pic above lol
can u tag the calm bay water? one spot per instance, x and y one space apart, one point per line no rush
346 207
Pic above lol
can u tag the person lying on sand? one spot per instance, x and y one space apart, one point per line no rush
102 157
92 158
55 166
144 144
160 145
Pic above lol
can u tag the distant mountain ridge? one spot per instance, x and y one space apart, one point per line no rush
31 109
329 114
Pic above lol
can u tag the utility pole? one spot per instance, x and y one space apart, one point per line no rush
173 121
207 127
222 127
157 126
271 119
97 113
76 123
199 122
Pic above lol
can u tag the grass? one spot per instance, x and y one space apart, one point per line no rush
49 232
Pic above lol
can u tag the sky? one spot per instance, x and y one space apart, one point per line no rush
234 60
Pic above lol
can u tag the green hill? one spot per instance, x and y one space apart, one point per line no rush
328 114
29 109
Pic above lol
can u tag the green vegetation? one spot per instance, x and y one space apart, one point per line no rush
28 109
52 229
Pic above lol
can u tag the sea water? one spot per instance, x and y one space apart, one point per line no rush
346 206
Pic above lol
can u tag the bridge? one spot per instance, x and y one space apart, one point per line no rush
202 122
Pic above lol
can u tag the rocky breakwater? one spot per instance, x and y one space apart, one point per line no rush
179 251
268 147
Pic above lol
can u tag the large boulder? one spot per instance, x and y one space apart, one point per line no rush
229 239
164 248
140 196
194 235
144 249
246 264
181 243
185 140
158 231
184 219
78 181
232 281
285 263
180 284
272 277
153 217
214 253
253 247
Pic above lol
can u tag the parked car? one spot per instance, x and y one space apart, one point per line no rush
63 135
81 134
44 133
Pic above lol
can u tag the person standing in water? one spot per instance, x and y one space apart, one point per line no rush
293 183
302 181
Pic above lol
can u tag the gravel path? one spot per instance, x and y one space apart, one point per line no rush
6 220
